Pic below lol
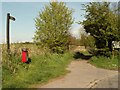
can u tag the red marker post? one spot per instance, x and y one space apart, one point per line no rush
24 55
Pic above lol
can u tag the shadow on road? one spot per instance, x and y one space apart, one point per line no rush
79 55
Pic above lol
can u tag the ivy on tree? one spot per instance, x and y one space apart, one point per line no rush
52 27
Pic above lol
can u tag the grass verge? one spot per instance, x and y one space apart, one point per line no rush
41 69
105 62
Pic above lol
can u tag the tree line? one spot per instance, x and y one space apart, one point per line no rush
54 22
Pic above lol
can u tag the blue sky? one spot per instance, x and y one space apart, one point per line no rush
0 22
25 12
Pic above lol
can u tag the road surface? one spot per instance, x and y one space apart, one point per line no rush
109 82
83 75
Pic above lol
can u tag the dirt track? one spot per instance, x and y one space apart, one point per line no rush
82 75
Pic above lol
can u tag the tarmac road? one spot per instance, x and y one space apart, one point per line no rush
109 82
84 75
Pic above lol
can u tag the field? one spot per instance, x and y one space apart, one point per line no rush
43 66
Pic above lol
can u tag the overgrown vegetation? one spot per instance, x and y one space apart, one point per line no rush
42 68
111 63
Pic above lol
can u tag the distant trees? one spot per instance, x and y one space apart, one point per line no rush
101 23
52 27
87 40
74 41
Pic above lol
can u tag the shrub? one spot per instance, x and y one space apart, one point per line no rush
100 52
105 62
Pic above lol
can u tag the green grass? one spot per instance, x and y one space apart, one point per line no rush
41 69
105 62
0 77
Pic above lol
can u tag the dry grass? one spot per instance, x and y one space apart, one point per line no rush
17 49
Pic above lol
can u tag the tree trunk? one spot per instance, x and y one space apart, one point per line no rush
100 43
110 45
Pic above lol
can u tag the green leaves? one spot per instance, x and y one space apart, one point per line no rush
101 22
52 26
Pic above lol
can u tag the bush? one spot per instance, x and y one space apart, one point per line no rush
100 52
105 62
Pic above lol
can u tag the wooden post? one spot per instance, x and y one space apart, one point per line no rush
7 32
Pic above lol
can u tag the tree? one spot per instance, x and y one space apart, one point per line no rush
101 23
52 26
73 40
87 41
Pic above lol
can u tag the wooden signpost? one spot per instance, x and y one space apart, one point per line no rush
7 30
